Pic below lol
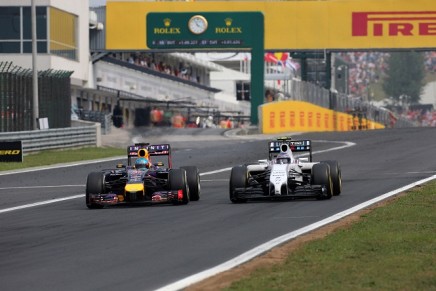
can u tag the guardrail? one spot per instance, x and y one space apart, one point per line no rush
89 134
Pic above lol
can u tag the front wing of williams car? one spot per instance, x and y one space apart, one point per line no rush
282 176
262 184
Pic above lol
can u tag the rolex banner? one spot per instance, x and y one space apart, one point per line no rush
11 151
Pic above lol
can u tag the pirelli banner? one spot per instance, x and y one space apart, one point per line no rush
292 25
11 151
300 116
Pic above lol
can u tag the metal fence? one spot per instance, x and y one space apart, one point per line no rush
16 98
103 118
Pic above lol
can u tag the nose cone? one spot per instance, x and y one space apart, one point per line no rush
136 187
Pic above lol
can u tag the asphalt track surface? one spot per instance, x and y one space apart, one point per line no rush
62 245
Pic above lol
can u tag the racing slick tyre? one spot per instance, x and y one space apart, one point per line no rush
193 178
94 185
238 179
177 181
335 173
321 176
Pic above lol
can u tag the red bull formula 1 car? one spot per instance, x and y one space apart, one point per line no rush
284 176
148 178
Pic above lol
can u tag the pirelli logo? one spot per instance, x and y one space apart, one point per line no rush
395 24
11 151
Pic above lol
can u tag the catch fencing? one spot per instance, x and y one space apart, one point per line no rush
16 98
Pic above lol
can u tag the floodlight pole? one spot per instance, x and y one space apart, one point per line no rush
34 68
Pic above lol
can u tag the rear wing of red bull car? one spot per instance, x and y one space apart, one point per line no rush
276 146
146 150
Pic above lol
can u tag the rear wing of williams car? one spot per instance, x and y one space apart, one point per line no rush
275 147
146 150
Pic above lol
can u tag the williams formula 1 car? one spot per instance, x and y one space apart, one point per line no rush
283 176
142 181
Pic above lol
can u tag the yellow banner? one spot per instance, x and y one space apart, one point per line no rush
299 116
296 25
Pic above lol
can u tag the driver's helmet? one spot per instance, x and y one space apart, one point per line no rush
142 163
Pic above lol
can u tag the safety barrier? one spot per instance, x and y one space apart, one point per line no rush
302 116
88 134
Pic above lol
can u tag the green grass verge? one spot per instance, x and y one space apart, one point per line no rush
63 156
391 248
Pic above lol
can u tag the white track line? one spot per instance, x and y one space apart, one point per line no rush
41 203
58 166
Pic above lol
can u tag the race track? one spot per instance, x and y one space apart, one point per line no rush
62 245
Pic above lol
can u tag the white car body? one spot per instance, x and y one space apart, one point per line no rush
284 176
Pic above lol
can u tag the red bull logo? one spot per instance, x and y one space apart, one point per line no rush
419 23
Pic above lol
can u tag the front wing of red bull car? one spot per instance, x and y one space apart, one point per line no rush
159 183
283 176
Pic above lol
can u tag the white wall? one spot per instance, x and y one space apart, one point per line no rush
429 94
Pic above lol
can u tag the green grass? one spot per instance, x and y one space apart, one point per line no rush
390 248
63 156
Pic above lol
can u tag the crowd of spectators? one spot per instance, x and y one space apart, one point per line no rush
181 70
367 68
425 118
430 61
364 69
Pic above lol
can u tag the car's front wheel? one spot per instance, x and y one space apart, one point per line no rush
94 185
321 176
193 178
238 179
178 181
335 173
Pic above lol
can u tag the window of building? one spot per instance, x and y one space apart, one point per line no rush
56 34
16 32
63 36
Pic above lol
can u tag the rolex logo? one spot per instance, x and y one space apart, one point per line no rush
167 29
228 29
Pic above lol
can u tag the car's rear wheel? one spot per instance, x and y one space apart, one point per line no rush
238 179
177 181
321 176
193 178
94 185
335 173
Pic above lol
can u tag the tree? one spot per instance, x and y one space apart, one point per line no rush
405 76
